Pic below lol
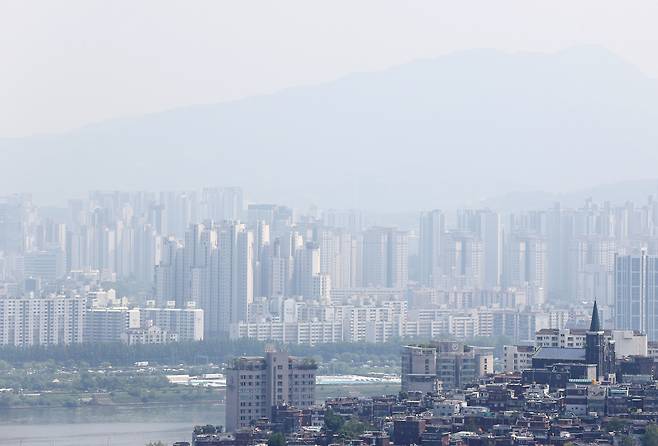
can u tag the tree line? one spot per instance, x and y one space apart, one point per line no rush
201 352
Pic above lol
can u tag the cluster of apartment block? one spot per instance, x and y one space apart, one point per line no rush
429 368
383 319
628 343
64 320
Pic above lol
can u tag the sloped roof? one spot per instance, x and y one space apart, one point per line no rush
560 354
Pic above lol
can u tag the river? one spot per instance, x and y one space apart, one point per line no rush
130 425
105 425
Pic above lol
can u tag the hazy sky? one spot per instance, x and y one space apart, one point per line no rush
67 63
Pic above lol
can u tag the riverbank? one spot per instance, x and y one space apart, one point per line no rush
134 424
178 396
140 397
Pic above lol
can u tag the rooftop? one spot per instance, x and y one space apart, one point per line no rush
562 354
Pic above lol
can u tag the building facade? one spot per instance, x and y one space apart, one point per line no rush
418 367
51 320
636 294
256 384
456 365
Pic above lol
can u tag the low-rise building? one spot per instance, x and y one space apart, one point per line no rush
627 342
305 333
148 335
456 365
517 358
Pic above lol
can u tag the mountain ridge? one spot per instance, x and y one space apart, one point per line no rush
429 133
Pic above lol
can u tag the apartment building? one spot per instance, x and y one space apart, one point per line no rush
255 384
50 320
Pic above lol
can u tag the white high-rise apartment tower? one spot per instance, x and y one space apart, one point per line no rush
235 276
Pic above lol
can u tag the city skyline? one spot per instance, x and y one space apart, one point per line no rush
269 272
293 223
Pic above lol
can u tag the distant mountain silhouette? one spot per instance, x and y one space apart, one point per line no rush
461 128
619 193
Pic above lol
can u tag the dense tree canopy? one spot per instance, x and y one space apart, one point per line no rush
276 439
203 352
216 351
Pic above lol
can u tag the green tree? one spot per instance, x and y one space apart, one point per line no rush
208 429
352 429
7 400
332 422
650 435
627 440
276 439
615 425
87 381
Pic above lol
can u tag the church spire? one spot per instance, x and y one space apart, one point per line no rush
595 325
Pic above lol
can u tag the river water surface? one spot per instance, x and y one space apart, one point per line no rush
132 425
105 425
